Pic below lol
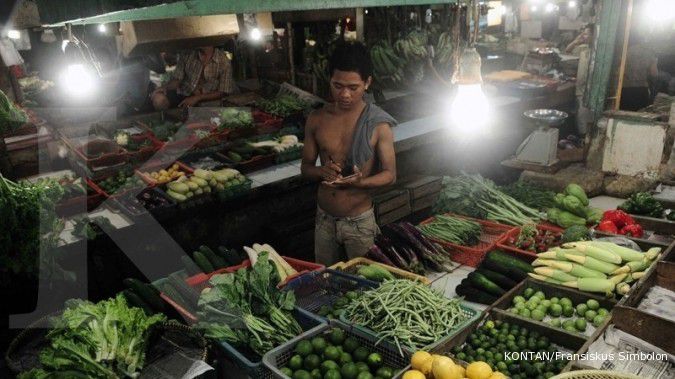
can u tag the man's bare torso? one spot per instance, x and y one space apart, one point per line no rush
334 134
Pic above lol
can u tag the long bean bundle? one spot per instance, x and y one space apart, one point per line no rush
452 229
409 313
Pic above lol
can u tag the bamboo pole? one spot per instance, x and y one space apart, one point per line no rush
624 54
291 58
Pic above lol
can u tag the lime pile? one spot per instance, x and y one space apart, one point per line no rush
559 312
333 355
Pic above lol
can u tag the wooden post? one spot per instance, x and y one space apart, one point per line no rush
456 38
624 53
360 30
291 58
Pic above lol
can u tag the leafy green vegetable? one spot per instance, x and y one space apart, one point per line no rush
642 203
27 219
236 118
576 233
452 229
474 196
103 340
246 309
11 117
529 194
283 105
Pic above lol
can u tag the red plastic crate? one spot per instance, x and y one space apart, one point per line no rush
143 154
106 195
491 233
200 280
527 255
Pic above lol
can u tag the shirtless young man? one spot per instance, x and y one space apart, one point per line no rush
355 144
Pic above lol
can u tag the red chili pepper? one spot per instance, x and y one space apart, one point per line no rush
618 217
608 226
634 230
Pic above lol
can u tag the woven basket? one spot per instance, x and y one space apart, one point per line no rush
595 374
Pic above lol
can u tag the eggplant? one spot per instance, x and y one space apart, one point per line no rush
376 254
401 245
389 251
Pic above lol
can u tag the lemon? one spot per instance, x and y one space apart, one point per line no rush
444 368
461 370
427 366
497 375
413 374
418 359
478 370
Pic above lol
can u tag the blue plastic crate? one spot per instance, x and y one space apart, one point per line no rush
254 367
314 290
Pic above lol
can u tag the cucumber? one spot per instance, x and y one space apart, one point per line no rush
202 262
135 301
216 261
479 281
190 266
514 273
475 295
231 256
260 151
509 261
147 292
234 156
188 293
242 149
174 295
499 279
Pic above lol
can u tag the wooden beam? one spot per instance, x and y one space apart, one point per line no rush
624 53
602 57
360 25
291 58
212 7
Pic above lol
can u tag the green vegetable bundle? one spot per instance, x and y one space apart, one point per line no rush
27 219
529 194
103 340
236 118
407 312
246 309
11 117
452 229
283 105
571 208
475 196
642 203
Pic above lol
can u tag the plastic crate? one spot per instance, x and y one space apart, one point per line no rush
352 266
72 206
472 315
138 157
277 358
253 364
491 233
118 193
156 166
234 192
314 290
525 254
115 156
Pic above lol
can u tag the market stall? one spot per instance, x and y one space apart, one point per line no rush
191 230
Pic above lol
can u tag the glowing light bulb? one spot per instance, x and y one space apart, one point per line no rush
533 8
102 28
64 43
14 34
572 4
76 80
549 8
256 35
469 111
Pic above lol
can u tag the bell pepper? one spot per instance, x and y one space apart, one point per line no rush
608 226
618 217
634 230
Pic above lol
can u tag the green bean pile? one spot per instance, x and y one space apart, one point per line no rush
407 312
452 229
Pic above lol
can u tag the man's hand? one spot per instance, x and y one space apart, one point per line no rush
189 101
353 180
330 172
158 90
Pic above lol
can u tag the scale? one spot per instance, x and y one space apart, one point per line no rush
541 146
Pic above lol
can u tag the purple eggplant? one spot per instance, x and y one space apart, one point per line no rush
376 254
388 250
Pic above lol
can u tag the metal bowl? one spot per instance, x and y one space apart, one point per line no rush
549 117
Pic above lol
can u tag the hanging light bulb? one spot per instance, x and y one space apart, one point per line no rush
469 110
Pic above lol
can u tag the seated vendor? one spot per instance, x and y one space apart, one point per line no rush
201 75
